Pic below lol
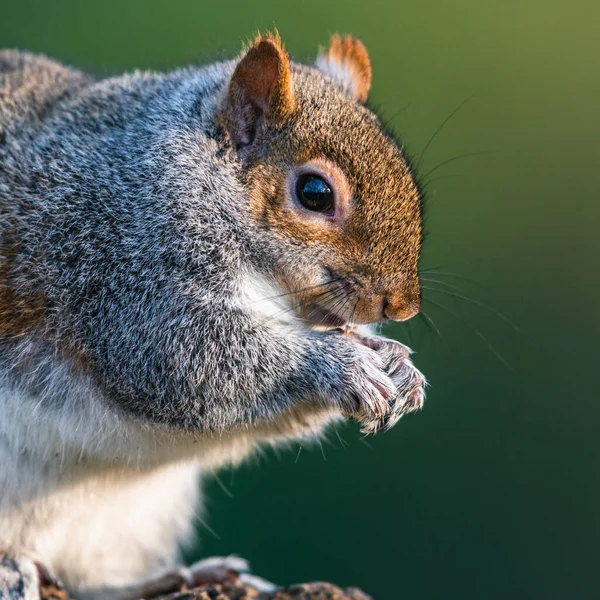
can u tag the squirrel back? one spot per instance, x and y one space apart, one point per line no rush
30 86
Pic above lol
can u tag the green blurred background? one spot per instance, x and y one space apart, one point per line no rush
492 491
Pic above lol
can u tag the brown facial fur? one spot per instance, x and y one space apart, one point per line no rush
376 247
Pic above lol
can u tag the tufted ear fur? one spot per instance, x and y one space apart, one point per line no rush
260 88
347 62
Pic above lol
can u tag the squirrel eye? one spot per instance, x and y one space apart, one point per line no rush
314 193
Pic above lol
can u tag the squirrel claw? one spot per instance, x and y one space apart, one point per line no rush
402 377
218 569
215 569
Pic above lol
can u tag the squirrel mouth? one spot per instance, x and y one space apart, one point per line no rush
319 317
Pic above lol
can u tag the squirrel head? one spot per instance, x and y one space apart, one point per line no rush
335 207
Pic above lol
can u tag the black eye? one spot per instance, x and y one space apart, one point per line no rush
314 193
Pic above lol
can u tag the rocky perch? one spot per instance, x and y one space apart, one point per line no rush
235 590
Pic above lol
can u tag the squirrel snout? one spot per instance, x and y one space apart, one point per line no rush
399 308
360 302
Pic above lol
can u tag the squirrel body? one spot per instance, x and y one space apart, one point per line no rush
189 264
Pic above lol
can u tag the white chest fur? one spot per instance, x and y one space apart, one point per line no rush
111 529
99 498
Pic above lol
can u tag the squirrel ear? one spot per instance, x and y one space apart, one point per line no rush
260 86
347 62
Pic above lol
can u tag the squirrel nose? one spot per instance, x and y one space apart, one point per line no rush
399 308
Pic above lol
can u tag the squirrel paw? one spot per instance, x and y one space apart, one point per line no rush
20 578
218 569
384 383
214 570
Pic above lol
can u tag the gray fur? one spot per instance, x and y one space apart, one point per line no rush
125 231
132 223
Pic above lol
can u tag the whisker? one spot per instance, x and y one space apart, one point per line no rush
329 295
300 291
222 486
476 303
338 298
323 296
442 176
351 321
205 524
332 302
437 273
437 131
427 319
432 269
343 301
454 158
406 328
475 331
390 119
343 442
362 440
448 285
322 449
326 297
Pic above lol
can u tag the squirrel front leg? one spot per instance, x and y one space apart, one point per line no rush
256 369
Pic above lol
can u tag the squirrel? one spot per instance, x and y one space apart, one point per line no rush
191 264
